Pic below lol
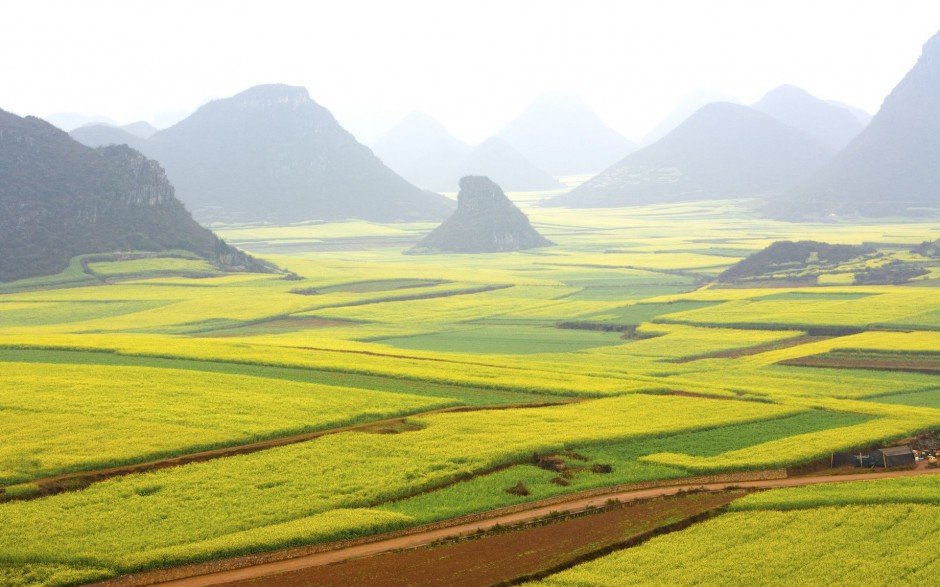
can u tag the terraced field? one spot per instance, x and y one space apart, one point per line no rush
610 359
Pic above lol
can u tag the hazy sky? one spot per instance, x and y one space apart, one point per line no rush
472 64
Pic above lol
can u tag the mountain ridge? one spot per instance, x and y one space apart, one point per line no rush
724 150
271 153
560 134
890 168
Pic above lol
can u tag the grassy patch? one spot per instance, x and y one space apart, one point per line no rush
639 313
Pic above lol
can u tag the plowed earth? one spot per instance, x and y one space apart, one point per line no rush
502 557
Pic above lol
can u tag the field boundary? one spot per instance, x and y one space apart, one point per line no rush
82 479
600 495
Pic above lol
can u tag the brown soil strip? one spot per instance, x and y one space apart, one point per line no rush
537 549
82 479
228 571
911 364
756 349
225 571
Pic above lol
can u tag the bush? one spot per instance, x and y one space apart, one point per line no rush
518 489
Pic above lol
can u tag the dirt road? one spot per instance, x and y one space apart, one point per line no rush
577 504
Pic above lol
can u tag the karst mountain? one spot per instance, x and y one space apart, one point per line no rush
834 125
891 167
722 151
485 221
271 153
560 134
60 199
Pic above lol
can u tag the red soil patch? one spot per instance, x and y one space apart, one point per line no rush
507 555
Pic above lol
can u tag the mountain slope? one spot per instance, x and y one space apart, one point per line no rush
722 151
562 135
59 199
102 135
688 106
496 158
831 124
69 121
891 166
272 153
141 129
422 151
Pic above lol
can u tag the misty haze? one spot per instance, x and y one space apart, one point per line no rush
469 293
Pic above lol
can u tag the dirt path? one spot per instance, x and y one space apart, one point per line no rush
575 505
529 551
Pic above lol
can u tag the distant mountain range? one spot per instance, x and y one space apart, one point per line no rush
686 107
831 124
891 167
422 151
498 160
271 153
722 151
557 135
425 153
102 135
562 135
59 199
69 121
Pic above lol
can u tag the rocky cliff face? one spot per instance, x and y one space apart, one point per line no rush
485 221
59 199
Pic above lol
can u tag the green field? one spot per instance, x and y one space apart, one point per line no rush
509 340
655 373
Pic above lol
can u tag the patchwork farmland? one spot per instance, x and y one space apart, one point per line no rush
156 415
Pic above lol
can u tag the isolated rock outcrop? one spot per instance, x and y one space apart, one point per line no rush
485 221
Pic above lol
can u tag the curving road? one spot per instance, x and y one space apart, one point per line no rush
574 505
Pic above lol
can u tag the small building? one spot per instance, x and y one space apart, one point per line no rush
893 456
849 459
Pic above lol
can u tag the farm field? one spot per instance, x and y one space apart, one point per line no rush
503 556
613 358
845 533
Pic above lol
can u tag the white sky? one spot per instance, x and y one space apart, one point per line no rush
474 65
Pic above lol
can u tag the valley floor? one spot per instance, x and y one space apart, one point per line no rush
154 419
